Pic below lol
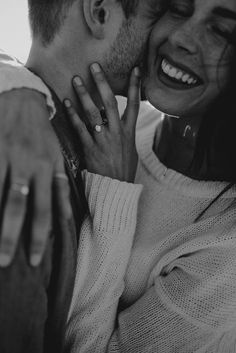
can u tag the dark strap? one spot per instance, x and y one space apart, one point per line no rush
72 151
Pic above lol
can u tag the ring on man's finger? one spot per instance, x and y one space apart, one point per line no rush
20 187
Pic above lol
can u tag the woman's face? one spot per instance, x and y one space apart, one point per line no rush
190 55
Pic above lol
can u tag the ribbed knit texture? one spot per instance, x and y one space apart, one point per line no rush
176 290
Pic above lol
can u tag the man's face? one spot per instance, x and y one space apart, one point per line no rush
130 46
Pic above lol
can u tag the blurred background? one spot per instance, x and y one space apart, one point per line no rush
14 28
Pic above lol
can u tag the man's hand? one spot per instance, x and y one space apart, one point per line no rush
30 160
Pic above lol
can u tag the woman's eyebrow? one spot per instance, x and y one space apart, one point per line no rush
223 12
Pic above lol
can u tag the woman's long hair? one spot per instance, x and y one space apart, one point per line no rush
216 142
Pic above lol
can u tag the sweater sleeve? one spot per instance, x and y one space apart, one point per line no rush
188 306
14 75
104 250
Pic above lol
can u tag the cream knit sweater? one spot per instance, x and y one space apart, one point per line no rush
165 285
175 290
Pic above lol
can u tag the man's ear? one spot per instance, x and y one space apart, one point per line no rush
96 15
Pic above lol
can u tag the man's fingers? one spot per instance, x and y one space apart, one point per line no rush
3 174
133 103
42 214
13 219
61 187
62 196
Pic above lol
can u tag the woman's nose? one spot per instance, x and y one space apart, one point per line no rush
185 37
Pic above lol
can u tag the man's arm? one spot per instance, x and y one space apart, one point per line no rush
30 158
14 75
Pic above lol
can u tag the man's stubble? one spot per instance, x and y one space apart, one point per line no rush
128 50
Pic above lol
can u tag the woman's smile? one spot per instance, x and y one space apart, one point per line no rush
177 76
189 53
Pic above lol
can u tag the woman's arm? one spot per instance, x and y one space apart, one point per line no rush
104 250
189 304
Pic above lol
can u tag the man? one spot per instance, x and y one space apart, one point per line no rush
68 36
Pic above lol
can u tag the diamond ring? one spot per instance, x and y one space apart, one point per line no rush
98 127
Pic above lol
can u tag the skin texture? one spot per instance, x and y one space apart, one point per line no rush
131 44
115 42
119 161
208 54
21 163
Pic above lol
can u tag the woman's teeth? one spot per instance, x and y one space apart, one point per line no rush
177 74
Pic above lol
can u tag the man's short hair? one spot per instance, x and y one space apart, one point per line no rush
47 16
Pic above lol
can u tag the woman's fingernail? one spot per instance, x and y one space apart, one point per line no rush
137 72
67 103
78 81
35 260
95 68
5 260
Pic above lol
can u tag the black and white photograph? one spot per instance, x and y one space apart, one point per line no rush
118 176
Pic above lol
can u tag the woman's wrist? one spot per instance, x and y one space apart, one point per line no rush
113 204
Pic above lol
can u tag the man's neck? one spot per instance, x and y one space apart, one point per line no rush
57 73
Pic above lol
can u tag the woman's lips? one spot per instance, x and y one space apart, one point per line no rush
176 75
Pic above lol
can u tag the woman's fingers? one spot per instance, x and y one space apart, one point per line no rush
133 103
107 96
92 113
78 125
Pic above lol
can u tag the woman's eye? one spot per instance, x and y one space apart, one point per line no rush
181 9
224 33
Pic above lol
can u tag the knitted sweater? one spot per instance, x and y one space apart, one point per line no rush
167 284
175 290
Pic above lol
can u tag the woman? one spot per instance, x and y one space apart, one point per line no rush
171 286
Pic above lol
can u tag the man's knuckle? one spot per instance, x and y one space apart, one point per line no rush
7 244
16 202
38 244
42 214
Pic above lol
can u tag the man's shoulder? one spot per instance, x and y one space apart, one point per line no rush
7 59
14 75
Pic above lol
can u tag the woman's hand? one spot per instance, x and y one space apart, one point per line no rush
108 141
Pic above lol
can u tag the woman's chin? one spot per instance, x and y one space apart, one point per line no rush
161 106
